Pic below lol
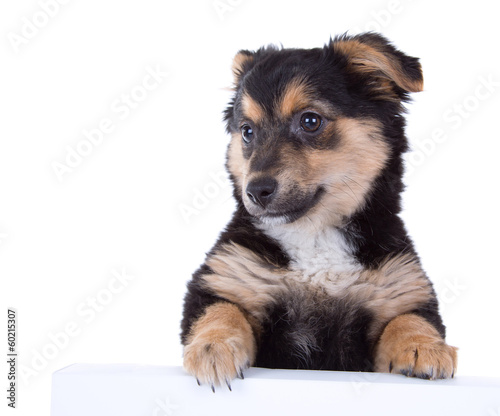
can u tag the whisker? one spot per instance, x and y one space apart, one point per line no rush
353 194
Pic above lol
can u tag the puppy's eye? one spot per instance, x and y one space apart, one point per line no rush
247 133
310 122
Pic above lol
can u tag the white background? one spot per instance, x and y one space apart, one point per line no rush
120 207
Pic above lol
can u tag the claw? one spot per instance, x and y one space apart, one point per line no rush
390 367
240 374
213 388
198 381
426 376
229 385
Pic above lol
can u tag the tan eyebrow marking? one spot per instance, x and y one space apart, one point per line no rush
297 96
251 109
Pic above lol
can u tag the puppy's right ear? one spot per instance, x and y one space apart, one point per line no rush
242 62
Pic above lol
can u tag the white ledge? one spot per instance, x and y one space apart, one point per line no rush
138 390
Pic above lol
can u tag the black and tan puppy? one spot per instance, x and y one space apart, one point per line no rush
316 270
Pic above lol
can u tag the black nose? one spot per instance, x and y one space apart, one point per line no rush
262 190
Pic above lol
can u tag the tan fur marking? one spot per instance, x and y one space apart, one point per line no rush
398 286
242 277
296 97
238 62
412 346
220 345
251 109
347 171
366 58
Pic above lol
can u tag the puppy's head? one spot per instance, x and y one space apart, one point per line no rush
312 129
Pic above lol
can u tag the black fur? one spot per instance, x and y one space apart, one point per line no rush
332 335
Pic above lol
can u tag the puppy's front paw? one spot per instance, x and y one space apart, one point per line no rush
411 346
424 360
221 346
216 361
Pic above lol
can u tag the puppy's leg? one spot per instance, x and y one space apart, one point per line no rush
411 346
220 345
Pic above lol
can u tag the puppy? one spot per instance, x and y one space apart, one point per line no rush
316 270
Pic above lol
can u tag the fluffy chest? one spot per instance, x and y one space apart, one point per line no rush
323 258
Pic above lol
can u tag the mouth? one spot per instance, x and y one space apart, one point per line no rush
287 216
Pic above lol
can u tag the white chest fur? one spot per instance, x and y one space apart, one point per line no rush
316 257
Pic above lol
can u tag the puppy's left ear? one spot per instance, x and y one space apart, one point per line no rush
372 57
242 62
